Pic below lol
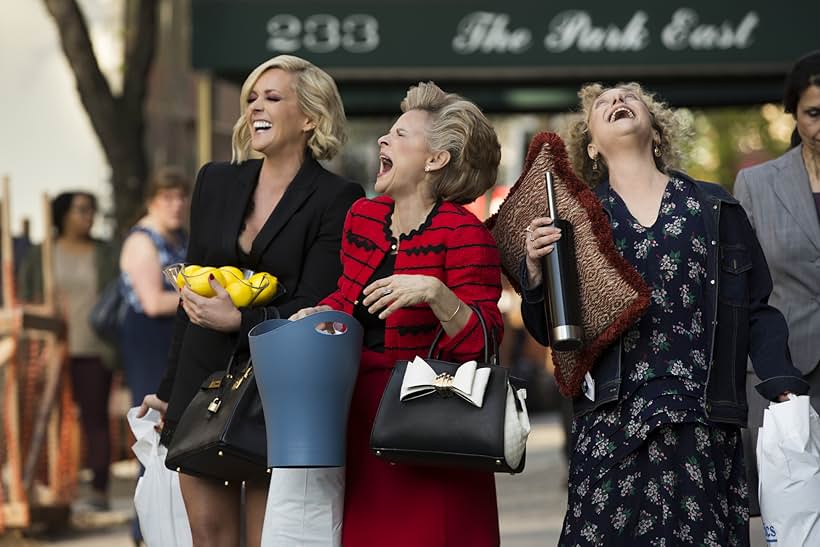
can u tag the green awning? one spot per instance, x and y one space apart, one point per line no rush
517 54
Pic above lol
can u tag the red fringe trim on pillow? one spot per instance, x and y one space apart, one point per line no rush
570 385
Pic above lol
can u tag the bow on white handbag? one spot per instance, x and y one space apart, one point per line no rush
469 382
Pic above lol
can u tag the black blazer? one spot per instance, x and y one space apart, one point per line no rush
299 244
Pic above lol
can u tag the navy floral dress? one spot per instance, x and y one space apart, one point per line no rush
649 469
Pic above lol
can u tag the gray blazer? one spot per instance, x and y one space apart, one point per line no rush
777 197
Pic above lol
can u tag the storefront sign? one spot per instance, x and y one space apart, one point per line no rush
512 39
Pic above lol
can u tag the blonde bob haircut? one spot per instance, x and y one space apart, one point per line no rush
317 97
672 129
459 127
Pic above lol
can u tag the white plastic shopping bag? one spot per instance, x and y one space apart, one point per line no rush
158 499
304 508
788 460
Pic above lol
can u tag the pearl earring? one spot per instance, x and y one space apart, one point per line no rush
657 151
426 168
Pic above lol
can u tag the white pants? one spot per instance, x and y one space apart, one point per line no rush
304 508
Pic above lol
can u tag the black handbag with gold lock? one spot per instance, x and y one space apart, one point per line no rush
221 434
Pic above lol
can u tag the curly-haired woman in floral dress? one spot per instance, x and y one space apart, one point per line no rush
657 458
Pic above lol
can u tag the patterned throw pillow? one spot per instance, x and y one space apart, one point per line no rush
613 294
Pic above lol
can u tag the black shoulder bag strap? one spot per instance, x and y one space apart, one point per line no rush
490 340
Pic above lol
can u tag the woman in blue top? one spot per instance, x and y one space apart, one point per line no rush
657 458
156 241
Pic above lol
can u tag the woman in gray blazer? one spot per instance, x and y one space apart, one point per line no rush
782 200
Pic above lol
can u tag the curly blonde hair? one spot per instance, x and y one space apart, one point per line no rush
318 98
459 127
672 129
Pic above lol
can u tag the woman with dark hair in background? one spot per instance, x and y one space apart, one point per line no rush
782 199
657 457
82 267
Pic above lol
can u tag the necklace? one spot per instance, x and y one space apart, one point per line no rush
397 229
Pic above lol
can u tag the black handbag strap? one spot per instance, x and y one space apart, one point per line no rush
490 340
237 347
231 363
229 378
231 360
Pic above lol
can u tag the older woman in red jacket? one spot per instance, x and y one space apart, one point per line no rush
415 260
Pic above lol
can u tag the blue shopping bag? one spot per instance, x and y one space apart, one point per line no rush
306 372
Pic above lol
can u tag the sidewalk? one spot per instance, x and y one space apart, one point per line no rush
531 505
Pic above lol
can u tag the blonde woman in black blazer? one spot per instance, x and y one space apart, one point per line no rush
284 214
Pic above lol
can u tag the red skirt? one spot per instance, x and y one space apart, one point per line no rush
408 506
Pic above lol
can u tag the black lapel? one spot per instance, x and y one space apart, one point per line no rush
237 196
302 186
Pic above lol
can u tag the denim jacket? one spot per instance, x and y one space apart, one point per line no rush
739 320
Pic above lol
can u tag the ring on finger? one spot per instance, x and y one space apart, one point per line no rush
385 292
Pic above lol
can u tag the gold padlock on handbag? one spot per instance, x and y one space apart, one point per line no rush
213 408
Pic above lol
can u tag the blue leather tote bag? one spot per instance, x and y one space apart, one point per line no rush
306 372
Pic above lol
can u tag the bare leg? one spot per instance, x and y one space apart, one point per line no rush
256 496
213 511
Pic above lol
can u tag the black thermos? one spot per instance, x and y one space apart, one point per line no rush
560 273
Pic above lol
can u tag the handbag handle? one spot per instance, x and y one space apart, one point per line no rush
490 358
229 376
335 317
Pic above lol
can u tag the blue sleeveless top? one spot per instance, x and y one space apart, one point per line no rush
168 254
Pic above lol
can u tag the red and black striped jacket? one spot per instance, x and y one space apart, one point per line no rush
452 245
